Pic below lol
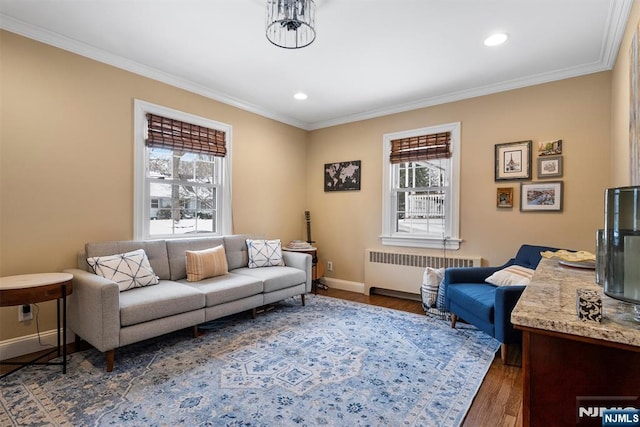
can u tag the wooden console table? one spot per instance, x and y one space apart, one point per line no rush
568 363
34 288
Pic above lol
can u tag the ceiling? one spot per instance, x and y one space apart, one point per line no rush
370 57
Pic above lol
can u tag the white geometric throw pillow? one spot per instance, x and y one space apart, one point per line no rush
129 270
264 253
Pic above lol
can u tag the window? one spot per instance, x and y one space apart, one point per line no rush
421 170
182 174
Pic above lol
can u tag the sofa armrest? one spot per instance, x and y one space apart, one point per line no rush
506 299
94 309
300 261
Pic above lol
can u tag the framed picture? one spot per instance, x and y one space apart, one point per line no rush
550 167
342 176
550 148
541 196
504 197
513 161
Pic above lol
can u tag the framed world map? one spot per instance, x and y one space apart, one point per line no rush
342 176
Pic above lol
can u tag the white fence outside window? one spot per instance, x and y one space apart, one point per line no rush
424 206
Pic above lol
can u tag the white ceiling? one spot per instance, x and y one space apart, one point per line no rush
370 57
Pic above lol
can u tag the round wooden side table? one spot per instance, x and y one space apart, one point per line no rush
34 288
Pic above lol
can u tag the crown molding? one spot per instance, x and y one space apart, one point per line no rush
619 11
464 94
74 46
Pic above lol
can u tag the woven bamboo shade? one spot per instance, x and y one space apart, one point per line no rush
178 135
420 148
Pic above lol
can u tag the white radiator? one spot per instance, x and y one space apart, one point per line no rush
402 272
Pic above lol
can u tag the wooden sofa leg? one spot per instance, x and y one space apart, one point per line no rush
111 358
253 313
454 319
503 353
302 296
195 331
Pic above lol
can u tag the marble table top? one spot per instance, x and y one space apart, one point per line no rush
549 303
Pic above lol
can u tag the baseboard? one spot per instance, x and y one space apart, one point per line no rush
396 294
344 285
28 344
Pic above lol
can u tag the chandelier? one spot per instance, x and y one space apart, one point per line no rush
291 23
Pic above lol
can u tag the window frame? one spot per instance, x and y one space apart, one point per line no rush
141 193
451 240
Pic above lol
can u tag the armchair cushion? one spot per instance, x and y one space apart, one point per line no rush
478 298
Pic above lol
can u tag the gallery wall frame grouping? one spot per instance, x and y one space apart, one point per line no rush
513 162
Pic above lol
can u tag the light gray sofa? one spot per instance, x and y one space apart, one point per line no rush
107 318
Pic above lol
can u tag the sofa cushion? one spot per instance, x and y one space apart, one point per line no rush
129 270
236 249
206 263
176 249
275 278
477 298
156 251
264 253
165 299
230 287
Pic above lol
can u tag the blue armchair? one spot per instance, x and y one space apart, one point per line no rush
486 306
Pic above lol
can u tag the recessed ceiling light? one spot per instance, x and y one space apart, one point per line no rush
496 39
300 96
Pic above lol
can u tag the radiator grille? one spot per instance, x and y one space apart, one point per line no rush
417 260
403 272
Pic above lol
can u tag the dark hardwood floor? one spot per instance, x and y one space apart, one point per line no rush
499 400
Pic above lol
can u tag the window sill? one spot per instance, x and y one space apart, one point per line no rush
421 242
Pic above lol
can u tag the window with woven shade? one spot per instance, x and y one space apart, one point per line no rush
183 181
420 188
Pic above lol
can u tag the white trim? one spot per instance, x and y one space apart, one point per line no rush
452 239
28 344
345 285
54 39
421 242
140 224
617 19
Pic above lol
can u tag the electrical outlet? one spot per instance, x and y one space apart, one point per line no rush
330 265
25 312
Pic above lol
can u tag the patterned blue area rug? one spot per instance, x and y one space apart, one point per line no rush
331 363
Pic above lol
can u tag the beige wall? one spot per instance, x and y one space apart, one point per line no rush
620 106
574 110
66 162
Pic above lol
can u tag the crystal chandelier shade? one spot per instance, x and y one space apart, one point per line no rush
291 24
